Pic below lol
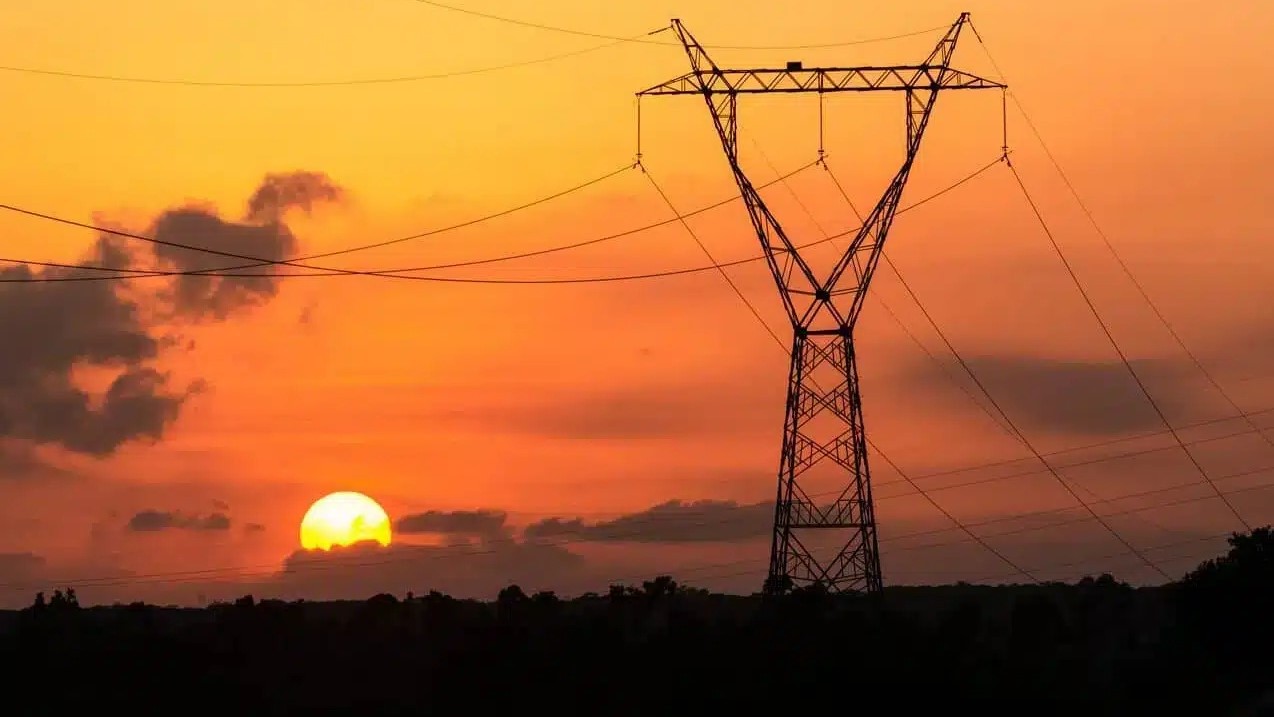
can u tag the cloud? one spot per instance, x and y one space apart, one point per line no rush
61 325
472 523
671 522
1076 397
292 190
262 235
56 327
149 521
253 528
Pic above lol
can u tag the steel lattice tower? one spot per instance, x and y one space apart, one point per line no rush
824 421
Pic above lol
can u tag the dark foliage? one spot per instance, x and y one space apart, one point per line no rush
1099 647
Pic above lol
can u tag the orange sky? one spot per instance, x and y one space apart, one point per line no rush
460 397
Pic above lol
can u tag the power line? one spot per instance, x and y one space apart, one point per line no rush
1109 442
142 273
942 366
658 520
1161 546
398 273
1000 410
1075 464
175 577
1117 348
311 83
1105 238
654 520
297 262
707 253
1141 289
1115 499
898 469
644 39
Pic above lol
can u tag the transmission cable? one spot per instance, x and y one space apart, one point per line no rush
942 366
296 262
141 273
1137 284
1118 349
122 273
1063 466
1110 246
898 469
313 83
644 40
656 520
1003 414
183 576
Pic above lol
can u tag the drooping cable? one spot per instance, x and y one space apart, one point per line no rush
297 262
782 347
1110 246
1123 357
604 36
122 273
1017 431
942 366
312 83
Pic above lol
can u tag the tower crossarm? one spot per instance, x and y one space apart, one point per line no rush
897 78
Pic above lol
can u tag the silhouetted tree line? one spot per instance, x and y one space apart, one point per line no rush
1201 646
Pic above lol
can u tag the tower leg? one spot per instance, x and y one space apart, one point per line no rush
824 538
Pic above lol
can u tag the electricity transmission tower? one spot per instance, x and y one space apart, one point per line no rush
831 544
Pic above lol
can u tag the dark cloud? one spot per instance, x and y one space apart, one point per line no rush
468 523
1076 397
671 522
220 504
291 190
149 521
54 327
216 297
262 235
253 528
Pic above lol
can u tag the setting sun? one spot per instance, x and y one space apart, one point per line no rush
343 519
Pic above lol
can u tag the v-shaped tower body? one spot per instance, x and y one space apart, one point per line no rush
828 538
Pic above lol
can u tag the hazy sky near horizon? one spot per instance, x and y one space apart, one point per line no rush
506 406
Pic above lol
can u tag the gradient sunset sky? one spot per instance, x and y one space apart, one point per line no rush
484 409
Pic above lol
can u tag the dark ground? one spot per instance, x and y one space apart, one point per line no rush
1201 646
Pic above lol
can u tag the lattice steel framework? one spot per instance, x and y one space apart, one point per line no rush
823 311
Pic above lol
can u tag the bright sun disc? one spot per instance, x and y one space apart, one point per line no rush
343 519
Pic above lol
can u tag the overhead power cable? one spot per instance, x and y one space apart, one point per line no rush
647 41
1110 246
267 570
221 271
312 83
295 261
123 273
1061 466
1123 357
1017 431
782 347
